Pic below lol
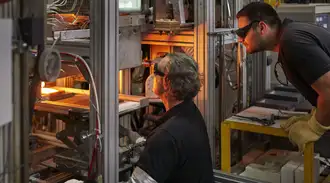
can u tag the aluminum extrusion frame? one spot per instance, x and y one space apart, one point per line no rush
104 56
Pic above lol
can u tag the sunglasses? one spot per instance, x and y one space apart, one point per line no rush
242 32
157 71
156 68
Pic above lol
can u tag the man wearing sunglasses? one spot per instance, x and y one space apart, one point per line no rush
304 53
178 149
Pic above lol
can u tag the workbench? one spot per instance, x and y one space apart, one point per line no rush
235 123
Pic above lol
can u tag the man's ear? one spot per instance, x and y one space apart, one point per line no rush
166 83
262 28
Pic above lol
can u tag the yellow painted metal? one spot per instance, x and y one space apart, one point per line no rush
227 126
257 129
274 3
309 163
225 147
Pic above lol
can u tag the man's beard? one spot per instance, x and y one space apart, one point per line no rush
260 48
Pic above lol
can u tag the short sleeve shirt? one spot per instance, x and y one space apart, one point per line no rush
305 55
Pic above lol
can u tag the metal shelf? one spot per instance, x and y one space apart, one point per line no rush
228 36
184 38
304 8
76 46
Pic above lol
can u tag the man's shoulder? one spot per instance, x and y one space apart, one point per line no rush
291 33
183 122
301 32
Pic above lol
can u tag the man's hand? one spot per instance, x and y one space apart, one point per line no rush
288 123
304 131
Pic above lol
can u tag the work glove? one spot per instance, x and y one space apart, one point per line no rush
287 123
303 131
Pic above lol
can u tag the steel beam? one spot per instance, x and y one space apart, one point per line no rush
206 97
104 58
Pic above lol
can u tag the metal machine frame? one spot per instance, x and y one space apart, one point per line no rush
104 45
104 63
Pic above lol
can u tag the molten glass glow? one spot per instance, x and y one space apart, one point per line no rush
47 90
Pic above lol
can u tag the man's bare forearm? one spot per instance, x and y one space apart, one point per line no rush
140 176
323 110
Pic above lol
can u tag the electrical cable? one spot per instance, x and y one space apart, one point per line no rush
231 58
83 61
98 129
54 8
276 74
74 5
96 98
98 122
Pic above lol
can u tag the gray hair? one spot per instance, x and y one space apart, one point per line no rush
182 78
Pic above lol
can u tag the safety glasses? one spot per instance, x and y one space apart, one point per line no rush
242 32
157 71
156 68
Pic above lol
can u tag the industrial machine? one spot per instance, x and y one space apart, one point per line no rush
63 133
82 82
176 16
64 81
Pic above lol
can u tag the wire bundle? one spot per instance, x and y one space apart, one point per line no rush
66 19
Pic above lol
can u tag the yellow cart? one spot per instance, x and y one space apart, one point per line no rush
236 123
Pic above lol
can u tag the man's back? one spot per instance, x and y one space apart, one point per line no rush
305 55
179 150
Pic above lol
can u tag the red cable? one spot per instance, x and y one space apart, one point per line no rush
90 168
94 155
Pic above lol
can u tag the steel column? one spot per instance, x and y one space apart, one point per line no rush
7 144
16 145
205 99
104 52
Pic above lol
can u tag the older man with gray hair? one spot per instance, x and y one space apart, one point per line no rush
178 150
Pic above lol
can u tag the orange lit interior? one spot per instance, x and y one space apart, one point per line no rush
69 20
45 91
72 18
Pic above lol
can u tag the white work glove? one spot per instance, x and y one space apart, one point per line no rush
303 130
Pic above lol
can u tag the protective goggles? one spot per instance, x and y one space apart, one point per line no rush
156 68
242 32
157 71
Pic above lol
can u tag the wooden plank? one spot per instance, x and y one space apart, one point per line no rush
85 93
